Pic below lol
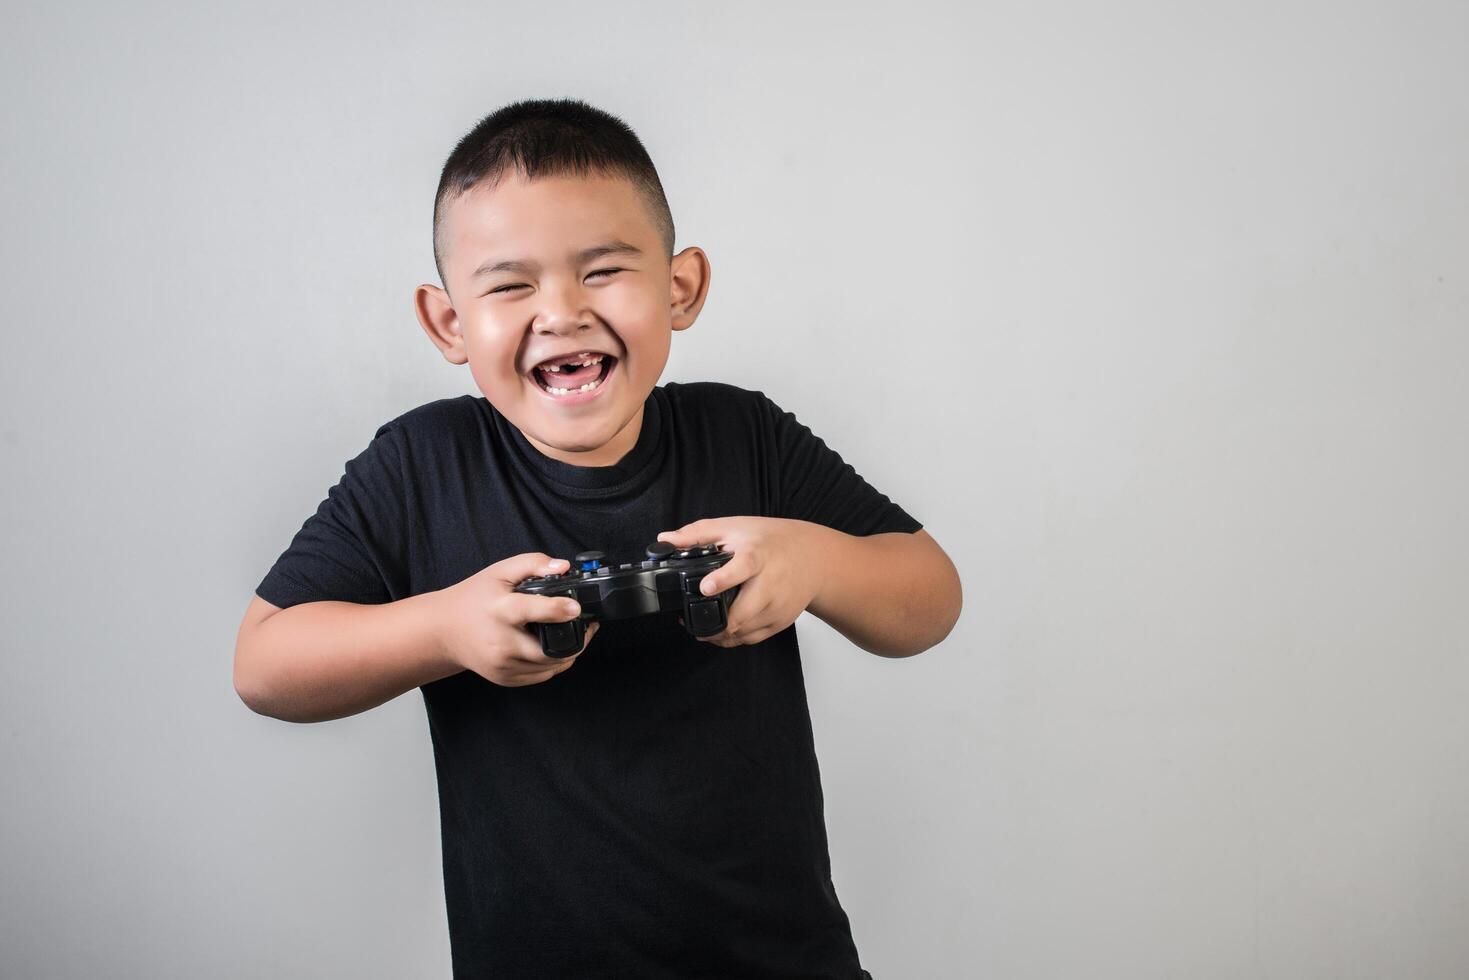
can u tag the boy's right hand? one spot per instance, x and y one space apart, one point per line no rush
482 622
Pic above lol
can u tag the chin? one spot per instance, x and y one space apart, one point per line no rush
567 446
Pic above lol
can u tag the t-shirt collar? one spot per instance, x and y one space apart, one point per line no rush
595 481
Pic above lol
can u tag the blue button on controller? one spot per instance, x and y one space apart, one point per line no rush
590 561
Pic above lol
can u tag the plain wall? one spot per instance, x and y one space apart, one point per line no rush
1196 278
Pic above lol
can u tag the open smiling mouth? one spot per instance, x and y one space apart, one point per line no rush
575 385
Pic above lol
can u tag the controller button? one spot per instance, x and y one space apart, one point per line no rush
705 616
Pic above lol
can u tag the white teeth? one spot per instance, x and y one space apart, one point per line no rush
567 391
574 391
595 359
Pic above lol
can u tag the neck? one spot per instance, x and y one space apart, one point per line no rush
609 453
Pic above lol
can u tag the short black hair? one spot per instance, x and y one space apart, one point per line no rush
550 137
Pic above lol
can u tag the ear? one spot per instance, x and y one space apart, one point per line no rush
688 285
437 317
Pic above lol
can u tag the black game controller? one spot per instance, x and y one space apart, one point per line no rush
667 580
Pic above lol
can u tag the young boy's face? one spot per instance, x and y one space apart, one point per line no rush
525 283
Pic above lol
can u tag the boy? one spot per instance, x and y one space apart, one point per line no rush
651 805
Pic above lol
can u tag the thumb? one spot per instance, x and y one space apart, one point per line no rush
518 568
698 532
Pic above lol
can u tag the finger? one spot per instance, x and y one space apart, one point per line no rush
527 679
532 653
761 633
738 614
747 629
699 532
521 608
711 638
517 568
723 638
538 664
736 571
744 620
731 622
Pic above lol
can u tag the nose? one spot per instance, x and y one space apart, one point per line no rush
565 311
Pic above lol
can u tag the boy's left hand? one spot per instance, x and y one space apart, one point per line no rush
777 565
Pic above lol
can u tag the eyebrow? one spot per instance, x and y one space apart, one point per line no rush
584 256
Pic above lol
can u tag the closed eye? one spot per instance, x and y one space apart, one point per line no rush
599 272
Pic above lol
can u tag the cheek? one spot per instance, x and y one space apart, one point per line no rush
482 377
488 364
634 308
484 341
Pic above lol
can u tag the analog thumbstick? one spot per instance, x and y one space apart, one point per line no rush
660 550
590 560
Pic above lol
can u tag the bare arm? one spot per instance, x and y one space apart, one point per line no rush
894 594
322 660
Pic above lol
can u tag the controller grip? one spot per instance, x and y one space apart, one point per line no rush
706 615
562 639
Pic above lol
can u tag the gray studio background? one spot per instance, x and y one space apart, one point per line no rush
1197 276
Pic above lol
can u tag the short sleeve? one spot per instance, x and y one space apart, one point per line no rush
353 549
813 483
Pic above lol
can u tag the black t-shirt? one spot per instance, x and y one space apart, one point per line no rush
655 810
